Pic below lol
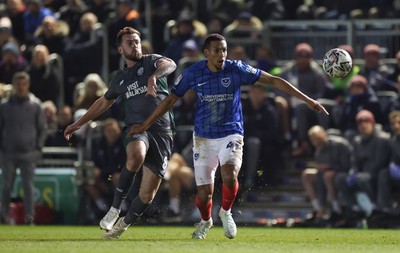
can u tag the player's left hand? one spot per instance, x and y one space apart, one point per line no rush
137 129
316 106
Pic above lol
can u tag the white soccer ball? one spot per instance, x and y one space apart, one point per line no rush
337 62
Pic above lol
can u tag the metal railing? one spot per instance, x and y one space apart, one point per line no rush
283 36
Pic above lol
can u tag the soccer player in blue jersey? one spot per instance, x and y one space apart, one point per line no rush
142 85
218 132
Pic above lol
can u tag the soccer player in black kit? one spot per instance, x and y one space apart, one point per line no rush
143 85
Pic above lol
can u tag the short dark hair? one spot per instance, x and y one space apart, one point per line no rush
212 37
123 31
21 75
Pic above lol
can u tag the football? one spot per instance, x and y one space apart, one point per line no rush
337 62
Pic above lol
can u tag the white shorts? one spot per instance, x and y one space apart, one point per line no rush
209 153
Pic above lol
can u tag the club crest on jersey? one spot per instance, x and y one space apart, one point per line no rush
140 71
196 156
178 79
226 82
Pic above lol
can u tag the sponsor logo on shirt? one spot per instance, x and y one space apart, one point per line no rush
134 89
250 69
120 83
215 98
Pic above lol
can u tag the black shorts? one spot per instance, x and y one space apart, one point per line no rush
159 149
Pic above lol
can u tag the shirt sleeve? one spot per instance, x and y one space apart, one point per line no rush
248 74
112 92
181 84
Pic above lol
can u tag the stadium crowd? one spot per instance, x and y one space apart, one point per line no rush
67 48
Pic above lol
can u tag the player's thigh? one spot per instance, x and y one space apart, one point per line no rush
205 159
231 151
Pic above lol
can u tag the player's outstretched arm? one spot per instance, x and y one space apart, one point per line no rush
165 66
161 109
288 88
98 107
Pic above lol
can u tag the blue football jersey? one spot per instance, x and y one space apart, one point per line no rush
219 111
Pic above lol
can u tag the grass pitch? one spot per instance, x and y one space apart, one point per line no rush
178 239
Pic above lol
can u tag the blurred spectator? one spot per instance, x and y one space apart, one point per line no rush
185 31
389 179
231 8
237 52
246 25
50 114
217 23
53 34
6 34
267 9
83 54
11 62
15 11
359 98
374 70
332 155
46 80
180 177
394 104
264 138
147 47
109 156
126 15
190 54
88 91
395 75
21 113
307 75
371 154
103 9
265 60
64 118
71 13
33 18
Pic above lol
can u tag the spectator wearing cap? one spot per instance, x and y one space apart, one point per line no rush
190 55
371 154
11 62
126 15
246 25
307 75
374 70
6 32
15 11
359 98
184 32
33 18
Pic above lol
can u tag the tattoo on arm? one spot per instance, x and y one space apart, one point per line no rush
164 68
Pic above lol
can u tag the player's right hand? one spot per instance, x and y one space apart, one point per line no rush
137 129
69 131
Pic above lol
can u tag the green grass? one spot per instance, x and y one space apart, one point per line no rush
178 239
